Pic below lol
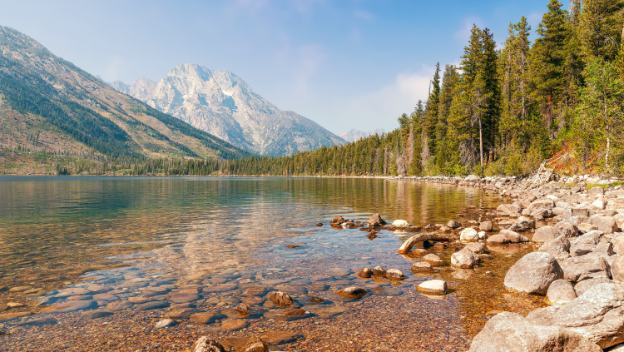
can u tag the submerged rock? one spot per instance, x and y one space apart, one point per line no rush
394 274
533 273
365 273
421 267
352 292
280 298
433 259
164 323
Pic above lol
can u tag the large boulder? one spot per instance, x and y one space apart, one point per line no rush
558 247
598 314
584 267
464 259
603 223
618 243
617 268
533 273
567 229
544 234
511 332
585 243
506 237
511 210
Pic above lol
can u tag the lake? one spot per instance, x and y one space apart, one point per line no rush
92 263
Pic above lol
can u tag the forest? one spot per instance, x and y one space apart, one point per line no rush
556 94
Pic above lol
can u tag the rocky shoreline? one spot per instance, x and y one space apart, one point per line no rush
578 265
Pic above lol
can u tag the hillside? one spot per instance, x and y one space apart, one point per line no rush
223 104
51 107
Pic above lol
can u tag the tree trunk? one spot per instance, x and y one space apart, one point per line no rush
481 144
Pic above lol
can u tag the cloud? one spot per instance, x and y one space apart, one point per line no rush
391 100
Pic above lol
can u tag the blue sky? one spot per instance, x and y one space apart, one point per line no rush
344 63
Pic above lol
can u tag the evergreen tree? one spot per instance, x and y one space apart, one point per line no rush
600 28
431 118
447 92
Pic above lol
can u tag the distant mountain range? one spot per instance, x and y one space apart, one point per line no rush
47 104
222 104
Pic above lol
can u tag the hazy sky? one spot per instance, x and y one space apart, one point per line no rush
344 63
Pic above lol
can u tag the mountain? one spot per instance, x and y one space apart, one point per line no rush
222 104
355 135
49 105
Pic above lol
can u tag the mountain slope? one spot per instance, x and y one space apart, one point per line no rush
222 104
49 105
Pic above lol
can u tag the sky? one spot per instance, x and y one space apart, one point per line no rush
346 64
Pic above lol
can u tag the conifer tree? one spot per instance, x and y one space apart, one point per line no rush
600 28
447 92
431 118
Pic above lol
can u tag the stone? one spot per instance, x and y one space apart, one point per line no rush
511 210
280 298
533 273
400 223
234 324
586 284
597 314
522 224
258 346
585 243
511 332
605 224
599 203
203 344
394 274
476 248
421 267
352 292
560 291
337 220
544 234
567 229
379 271
71 306
617 268
432 259
558 247
583 267
486 226
11 305
618 243
205 317
453 224
365 273
582 213
464 259
164 323
375 220
468 235
506 237
435 287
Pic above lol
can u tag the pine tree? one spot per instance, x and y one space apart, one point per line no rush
600 28
547 68
447 92
430 118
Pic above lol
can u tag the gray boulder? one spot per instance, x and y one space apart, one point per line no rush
585 285
598 315
511 332
567 229
558 247
464 259
506 237
533 273
486 226
544 234
584 267
522 224
603 223
511 210
617 268
560 291
585 243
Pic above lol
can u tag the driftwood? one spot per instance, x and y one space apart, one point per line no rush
407 246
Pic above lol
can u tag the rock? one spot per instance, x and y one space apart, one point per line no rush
337 220
544 234
511 332
585 243
205 317
453 224
560 291
506 237
464 259
375 220
584 285
558 247
234 324
280 298
394 274
522 224
582 213
408 244
584 267
565 228
203 344
432 259
511 210
11 305
533 273
164 323
258 346
599 203
435 287
605 224
422 267
597 314
486 226
476 248
379 271
400 223
617 268
618 243
352 292
365 273
468 235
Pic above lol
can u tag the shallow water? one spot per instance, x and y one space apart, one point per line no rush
74 246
